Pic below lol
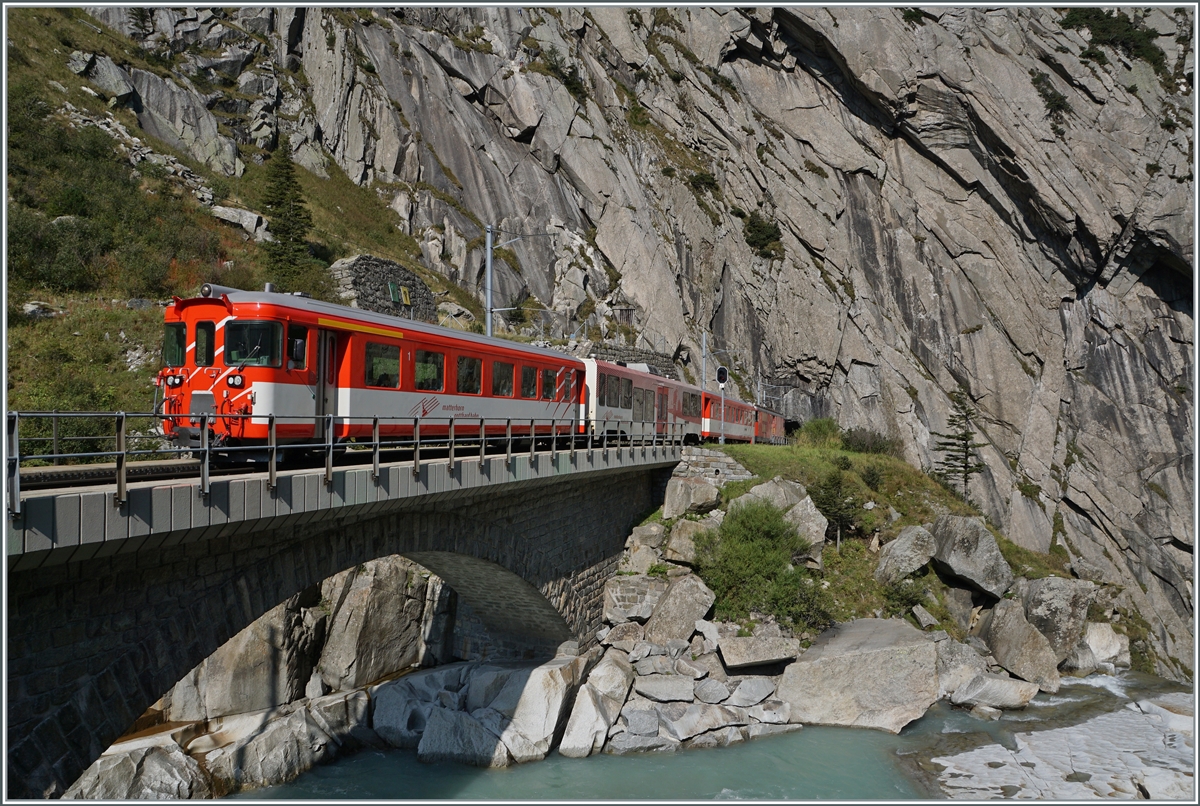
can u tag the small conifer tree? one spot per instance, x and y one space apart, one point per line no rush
283 203
957 445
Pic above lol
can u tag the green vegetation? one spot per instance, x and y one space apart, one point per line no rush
1117 31
287 260
750 564
638 115
864 440
914 15
813 168
552 63
1056 103
763 236
1152 168
957 446
702 182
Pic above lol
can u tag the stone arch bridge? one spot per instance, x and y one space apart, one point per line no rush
109 606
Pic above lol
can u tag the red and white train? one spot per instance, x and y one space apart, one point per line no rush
241 356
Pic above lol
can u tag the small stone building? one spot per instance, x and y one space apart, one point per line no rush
384 286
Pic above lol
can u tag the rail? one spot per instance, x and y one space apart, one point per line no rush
402 438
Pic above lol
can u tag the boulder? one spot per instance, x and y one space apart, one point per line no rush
967 550
874 673
687 668
956 664
288 743
994 691
665 688
79 62
811 525
721 737
639 559
1080 661
459 737
376 627
519 747
711 633
628 598
711 691
178 117
676 613
681 721
986 712
771 711
924 618
1106 644
346 718
597 706
624 743
612 676
641 717
758 730
398 718
651 534
960 602
681 545
646 649
112 80
739 653
535 698
1019 647
253 223
1058 608
779 492
624 636
656 664
161 772
686 495
909 552
751 691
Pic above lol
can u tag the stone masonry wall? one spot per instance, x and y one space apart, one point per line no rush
715 466
363 282
91 645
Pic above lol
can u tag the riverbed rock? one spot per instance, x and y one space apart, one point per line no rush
751 691
1080 661
631 598
1058 608
995 691
874 673
597 705
762 729
1019 647
665 688
721 737
957 664
770 711
1107 644
711 691
910 551
967 550
161 772
459 737
625 743
535 698
286 744
346 718
681 721
689 495
747 651
687 600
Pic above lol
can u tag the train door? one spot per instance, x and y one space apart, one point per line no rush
327 375
661 417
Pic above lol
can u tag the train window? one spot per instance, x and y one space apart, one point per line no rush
383 365
297 347
601 390
662 405
253 344
637 404
175 344
429 371
548 384
502 379
206 335
626 393
614 391
470 375
529 382
564 384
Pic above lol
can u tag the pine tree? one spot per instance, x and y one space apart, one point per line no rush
283 203
957 446
831 499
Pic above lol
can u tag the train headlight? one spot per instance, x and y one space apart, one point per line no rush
174 381
236 381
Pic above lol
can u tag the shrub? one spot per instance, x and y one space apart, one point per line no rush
821 432
864 440
1056 103
638 116
1117 31
902 596
703 181
872 476
763 236
842 462
750 564
914 15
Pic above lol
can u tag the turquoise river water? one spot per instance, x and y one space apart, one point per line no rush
811 764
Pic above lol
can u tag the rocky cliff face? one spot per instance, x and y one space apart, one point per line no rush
963 197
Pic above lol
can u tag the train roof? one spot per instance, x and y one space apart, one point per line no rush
318 306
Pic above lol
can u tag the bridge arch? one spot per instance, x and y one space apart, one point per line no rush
93 643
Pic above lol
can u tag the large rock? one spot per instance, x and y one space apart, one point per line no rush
681 545
179 117
147 773
625 743
1107 644
652 535
711 691
967 550
751 691
376 628
681 721
811 525
956 665
535 698
253 223
629 598
871 673
624 636
687 600
665 687
112 80
457 736
287 744
909 552
684 495
1058 608
739 653
597 705
994 691
1019 647
345 718
639 559
779 492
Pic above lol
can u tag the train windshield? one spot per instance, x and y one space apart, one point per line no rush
253 344
175 344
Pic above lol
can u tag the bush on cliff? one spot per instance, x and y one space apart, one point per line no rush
749 564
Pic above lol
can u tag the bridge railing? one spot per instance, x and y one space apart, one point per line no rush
350 440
